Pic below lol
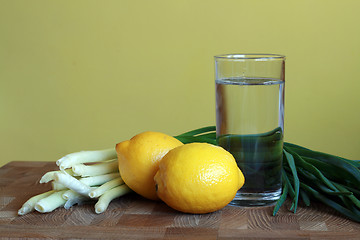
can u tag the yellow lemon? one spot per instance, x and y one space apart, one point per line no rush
198 178
139 160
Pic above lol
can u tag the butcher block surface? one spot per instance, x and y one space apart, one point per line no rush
133 217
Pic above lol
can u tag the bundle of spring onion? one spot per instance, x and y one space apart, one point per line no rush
307 174
83 176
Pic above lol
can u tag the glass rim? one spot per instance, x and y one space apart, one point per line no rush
243 56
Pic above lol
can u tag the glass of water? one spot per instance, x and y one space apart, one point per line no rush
250 121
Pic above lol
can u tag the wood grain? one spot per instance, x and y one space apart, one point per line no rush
133 217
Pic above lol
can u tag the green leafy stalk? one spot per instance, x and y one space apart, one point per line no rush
291 162
282 198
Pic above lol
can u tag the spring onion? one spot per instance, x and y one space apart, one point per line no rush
57 186
49 176
99 180
73 198
29 205
109 195
85 157
97 192
72 183
51 202
96 169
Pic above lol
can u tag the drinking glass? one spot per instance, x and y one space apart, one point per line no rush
250 121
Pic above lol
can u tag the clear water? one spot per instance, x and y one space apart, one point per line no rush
250 119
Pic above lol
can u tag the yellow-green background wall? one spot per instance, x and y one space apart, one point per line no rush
84 75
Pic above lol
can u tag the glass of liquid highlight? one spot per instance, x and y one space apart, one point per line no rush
250 121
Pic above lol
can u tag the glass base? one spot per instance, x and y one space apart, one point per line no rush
246 199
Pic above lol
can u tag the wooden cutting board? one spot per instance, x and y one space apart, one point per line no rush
133 217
